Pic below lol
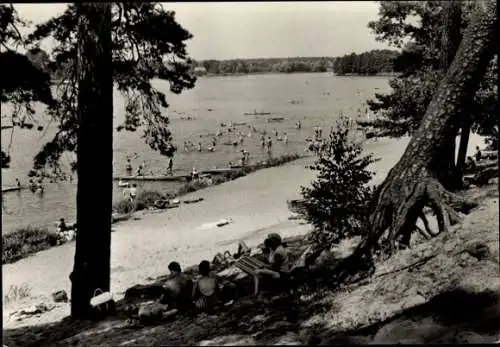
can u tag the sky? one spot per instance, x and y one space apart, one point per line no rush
225 30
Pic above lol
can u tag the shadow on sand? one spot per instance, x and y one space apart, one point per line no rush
456 316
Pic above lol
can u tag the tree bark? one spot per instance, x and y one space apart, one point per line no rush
94 156
452 20
412 183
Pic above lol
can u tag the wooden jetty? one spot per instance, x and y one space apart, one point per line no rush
257 113
152 178
11 189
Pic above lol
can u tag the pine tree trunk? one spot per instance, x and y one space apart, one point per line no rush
412 183
94 155
452 20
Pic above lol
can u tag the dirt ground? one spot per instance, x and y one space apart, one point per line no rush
446 290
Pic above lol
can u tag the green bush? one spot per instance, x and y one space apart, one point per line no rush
124 206
148 197
336 203
25 241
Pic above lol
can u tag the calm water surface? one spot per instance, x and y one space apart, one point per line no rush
315 99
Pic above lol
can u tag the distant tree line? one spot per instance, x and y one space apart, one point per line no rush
367 63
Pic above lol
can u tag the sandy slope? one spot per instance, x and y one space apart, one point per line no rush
141 249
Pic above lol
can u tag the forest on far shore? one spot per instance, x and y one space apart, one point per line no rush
367 63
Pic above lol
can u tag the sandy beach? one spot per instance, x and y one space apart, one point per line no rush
142 248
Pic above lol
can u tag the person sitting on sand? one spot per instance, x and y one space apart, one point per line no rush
61 226
177 289
18 183
206 294
478 154
470 164
194 174
278 261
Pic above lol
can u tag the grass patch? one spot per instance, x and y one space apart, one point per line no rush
16 293
25 241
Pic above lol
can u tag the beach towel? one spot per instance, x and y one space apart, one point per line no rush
249 265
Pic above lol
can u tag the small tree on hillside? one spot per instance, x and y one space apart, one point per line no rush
336 202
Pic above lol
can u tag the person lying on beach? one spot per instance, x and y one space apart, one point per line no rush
177 289
278 263
206 293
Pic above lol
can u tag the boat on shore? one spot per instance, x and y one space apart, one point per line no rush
257 113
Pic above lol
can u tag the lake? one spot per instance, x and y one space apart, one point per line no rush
314 99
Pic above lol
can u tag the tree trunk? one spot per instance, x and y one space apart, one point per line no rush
94 155
412 183
450 177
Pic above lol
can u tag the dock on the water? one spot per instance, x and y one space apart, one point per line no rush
152 178
179 178
11 189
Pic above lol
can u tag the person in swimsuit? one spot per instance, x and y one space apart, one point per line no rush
170 167
269 144
206 293
177 289
128 168
478 154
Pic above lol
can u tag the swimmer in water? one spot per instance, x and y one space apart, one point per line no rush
170 167
128 167
139 171
269 144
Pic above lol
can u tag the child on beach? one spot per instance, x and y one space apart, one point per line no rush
206 293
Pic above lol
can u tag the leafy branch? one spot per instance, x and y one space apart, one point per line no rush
147 44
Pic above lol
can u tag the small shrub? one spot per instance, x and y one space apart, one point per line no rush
147 198
336 204
124 206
